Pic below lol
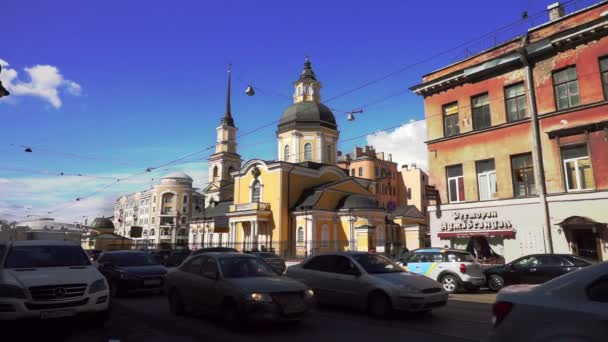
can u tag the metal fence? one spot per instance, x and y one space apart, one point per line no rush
295 251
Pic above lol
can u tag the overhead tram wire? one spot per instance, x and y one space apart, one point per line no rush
460 46
361 87
71 203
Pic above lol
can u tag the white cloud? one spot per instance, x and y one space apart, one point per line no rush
405 143
45 82
57 194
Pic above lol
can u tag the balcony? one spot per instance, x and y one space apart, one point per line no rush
168 212
167 221
250 207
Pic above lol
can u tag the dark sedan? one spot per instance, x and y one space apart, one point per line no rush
240 287
273 260
533 269
132 271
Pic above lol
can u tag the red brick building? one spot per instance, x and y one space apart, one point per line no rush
481 145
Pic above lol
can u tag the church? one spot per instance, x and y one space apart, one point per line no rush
300 204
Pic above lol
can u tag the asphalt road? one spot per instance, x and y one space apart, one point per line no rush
147 318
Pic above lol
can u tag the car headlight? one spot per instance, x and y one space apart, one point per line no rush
127 276
98 285
260 297
309 293
11 291
409 289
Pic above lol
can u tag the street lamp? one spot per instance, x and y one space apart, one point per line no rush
351 115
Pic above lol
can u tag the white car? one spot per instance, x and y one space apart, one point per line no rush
50 279
455 269
572 307
368 281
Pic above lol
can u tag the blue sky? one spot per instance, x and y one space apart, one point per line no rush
140 83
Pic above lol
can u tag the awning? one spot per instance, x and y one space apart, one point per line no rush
490 233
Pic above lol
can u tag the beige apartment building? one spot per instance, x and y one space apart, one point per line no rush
159 215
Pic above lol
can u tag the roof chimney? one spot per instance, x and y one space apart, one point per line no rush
390 157
556 11
413 165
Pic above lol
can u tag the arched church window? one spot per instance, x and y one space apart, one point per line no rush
328 150
308 151
308 90
380 238
215 171
286 153
255 191
300 234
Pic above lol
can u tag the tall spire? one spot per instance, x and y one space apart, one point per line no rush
227 119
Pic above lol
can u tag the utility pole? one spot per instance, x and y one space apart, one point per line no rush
537 154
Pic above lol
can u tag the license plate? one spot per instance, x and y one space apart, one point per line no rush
152 282
57 313
294 308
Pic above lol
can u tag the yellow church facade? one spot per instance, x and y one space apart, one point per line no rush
302 203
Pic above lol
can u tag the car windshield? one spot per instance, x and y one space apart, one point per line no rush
45 256
245 268
460 257
133 259
268 255
374 263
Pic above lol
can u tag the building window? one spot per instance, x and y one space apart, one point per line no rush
308 151
352 172
523 175
153 220
152 232
308 90
300 234
286 153
154 198
577 168
604 72
481 112
377 188
328 150
377 172
255 191
153 210
486 179
360 172
183 219
515 100
324 236
566 88
300 90
185 199
215 172
450 120
455 183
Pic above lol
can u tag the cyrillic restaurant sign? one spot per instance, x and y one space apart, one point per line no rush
476 223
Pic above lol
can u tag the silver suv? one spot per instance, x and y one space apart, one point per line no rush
455 269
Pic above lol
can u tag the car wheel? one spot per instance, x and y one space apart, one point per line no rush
175 303
496 282
99 319
450 283
231 316
379 305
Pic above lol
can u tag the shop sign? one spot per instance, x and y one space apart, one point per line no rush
483 222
